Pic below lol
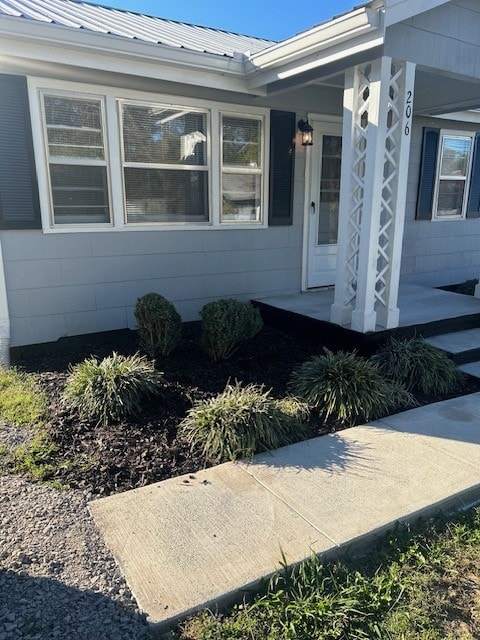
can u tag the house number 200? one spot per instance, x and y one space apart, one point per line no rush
408 112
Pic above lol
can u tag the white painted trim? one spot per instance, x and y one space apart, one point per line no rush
461 134
322 126
339 30
472 117
58 37
329 120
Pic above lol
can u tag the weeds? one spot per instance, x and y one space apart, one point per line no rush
22 401
422 585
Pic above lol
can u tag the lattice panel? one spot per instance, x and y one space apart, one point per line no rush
360 125
390 181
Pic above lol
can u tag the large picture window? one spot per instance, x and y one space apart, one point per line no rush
127 159
166 172
74 131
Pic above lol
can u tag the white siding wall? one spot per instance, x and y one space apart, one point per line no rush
437 253
69 284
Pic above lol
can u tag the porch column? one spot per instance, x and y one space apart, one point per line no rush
377 122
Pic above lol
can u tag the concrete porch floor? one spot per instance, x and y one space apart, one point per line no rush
418 305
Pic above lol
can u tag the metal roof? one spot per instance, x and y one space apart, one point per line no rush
76 14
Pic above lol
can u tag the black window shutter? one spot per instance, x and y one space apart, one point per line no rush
473 209
282 159
428 172
19 206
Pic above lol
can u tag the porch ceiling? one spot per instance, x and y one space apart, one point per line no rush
435 93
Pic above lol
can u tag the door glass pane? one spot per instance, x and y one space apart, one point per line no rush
329 190
455 155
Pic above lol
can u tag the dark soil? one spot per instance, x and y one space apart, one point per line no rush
146 448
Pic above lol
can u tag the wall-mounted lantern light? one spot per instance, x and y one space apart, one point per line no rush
306 130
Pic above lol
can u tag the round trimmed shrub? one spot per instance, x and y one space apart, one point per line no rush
159 324
241 421
418 365
346 388
226 324
110 390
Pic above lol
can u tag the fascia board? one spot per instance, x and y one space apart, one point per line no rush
337 31
317 61
400 10
101 44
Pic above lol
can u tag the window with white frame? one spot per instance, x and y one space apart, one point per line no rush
165 164
453 175
241 168
138 160
77 162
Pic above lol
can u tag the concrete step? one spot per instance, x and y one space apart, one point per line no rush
462 346
200 541
472 368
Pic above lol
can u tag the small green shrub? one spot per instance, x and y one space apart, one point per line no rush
22 401
242 420
417 365
347 388
109 390
159 324
227 323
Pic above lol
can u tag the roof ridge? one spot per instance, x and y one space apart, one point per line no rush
189 24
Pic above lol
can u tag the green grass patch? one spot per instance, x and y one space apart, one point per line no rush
22 401
422 585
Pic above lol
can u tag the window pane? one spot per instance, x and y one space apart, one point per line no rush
241 141
74 127
329 189
241 197
455 156
163 135
80 194
166 195
450 197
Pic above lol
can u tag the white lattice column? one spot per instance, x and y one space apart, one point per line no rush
378 102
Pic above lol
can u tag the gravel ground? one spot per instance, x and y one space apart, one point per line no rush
57 578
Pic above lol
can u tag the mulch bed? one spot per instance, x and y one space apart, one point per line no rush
146 449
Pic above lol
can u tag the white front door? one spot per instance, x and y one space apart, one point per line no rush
322 205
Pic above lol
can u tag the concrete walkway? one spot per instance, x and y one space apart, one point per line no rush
195 541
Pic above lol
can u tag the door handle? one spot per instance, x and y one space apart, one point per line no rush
313 207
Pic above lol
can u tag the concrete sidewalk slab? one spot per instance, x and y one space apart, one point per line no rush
198 539
391 476
190 542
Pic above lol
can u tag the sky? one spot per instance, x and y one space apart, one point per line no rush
271 19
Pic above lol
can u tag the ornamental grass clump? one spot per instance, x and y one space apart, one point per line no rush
226 324
241 421
346 388
159 324
418 365
110 390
